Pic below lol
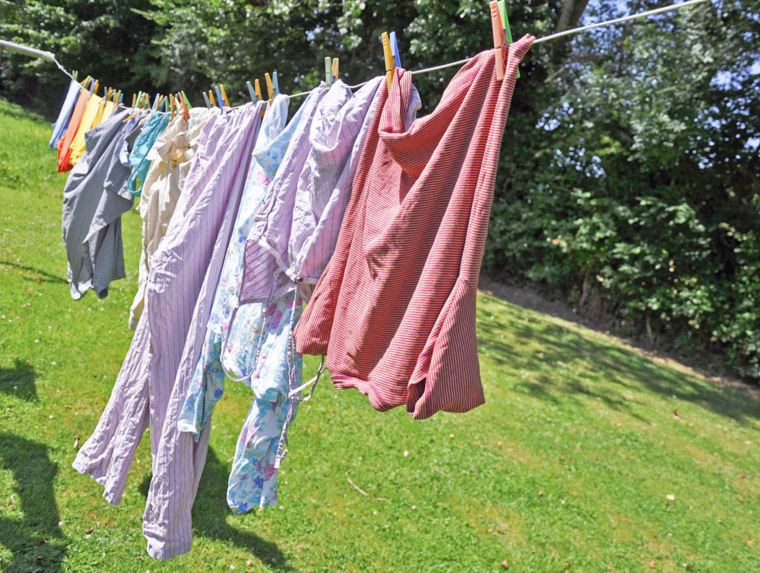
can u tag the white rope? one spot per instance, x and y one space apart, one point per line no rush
555 36
51 58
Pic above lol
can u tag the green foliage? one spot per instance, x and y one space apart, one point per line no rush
629 151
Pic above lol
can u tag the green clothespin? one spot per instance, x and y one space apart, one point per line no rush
505 22
187 101
328 71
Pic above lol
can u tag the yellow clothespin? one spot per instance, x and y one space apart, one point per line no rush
160 99
134 99
335 66
389 64
270 88
171 104
224 95
498 39
211 97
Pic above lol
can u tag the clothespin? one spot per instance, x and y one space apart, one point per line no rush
498 39
252 93
86 81
205 97
183 106
505 24
219 97
258 89
335 68
389 67
134 99
275 84
94 87
139 99
270 87
394 49
146 97
121 97
159 101
328 71
187 101
171 104
211 98
224 95
76 79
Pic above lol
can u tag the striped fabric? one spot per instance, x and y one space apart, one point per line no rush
141 393
395 309
177 459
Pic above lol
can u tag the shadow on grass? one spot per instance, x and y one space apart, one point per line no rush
34 539
570 364
41 276
18 381
210 512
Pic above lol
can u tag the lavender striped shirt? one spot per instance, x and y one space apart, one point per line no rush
141 393
295 230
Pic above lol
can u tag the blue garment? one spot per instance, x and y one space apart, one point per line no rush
253 478
60 125
154 126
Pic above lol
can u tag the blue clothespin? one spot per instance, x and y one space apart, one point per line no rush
394 49
254 97
121 97
219 97
275 84
205 98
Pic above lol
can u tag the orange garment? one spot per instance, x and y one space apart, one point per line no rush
65 142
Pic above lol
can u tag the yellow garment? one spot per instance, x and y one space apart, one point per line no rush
107 111
89 117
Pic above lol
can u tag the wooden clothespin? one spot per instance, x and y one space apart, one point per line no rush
505 24
388 55
270 88
498 39
328 71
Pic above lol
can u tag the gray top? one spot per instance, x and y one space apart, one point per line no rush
94 198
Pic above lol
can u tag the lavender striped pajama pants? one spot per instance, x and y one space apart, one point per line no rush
184 271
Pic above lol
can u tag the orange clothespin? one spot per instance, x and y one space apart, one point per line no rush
224 95
134 99
389 64
183 104
498 39
211 97
335 67
96 86
171 104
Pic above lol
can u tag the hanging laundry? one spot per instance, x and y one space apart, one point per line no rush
166 526
395 310
64 115
182 459
208 380
64 145
94 199
170 159
90 119
138 158
193 247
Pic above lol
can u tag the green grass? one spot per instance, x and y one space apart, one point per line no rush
568 466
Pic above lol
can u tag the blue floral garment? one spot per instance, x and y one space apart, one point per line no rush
207 385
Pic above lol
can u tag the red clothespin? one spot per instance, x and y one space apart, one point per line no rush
498 39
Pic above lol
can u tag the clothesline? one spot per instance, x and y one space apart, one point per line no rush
51 57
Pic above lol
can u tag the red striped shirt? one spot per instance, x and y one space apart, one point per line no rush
394 310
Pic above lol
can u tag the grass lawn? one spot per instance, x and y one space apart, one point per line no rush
588 456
